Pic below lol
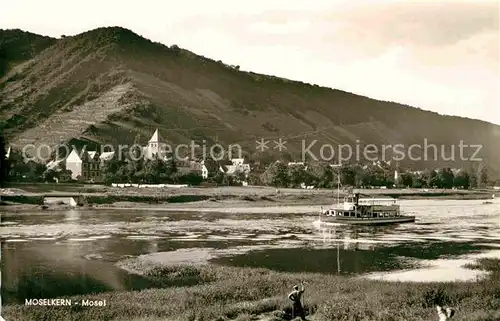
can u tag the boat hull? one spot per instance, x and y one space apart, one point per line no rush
367 220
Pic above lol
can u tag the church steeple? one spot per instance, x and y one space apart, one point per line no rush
156 138
155 146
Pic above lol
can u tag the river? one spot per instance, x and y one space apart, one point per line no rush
55 253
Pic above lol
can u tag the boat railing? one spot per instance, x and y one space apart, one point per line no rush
378 201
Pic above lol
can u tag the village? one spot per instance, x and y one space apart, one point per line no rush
153 166
89 166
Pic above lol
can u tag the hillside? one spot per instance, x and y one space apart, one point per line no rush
17 46
108 85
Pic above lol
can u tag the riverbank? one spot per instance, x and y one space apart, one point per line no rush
236 206
210 197
208 292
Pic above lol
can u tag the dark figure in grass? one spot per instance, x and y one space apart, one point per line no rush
295 296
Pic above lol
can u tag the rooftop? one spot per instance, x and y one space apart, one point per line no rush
156 138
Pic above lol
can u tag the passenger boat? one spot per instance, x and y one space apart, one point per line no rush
370 211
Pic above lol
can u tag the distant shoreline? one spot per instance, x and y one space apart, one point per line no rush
208 198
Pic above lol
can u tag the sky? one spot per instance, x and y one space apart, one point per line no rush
439 55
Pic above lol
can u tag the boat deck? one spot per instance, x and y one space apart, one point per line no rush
367 220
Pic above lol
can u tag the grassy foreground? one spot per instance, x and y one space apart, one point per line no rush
227 293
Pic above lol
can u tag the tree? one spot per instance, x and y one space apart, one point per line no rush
31 171
483 176
155 171
432 179
240 176
352 175
419 180
406 179
175 48
254 179
228 180
137 177
49 175
148 172
374 175
462 180
171 167
20 170
445 178
296 175
276 175
320 175
114 170
4 162
213 168
473 181
161 170
217 177
193 178
135 164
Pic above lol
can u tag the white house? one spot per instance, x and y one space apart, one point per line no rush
204 170
74 164
237 166
86 165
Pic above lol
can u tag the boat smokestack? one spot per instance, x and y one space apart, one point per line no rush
356 198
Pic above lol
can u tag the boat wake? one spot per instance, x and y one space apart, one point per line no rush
319 223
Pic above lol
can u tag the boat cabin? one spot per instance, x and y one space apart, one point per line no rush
355 207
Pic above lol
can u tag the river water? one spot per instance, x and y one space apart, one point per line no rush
54 253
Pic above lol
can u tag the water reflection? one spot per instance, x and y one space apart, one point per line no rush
45 271
72 215
153 246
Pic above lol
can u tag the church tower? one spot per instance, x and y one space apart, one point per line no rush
156 146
